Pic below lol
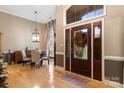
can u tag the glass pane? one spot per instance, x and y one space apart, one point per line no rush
83 12
92 14
97 32
81 44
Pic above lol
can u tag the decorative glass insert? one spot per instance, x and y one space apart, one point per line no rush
83 12
97 32
81 44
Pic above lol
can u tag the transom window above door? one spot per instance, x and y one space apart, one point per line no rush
83 12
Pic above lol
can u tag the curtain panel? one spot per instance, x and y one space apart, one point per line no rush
50 42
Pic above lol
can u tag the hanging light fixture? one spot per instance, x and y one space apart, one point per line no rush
35 34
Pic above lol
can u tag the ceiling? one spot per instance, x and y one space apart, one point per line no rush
45 12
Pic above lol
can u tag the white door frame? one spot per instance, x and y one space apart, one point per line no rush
83 23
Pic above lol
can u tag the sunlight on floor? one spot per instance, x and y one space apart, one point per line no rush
36 86
51 73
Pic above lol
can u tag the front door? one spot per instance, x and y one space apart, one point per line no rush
81 50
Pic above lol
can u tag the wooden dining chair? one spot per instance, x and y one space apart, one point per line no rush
24 58
35 59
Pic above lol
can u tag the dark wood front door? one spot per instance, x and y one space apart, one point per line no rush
97 50
81 50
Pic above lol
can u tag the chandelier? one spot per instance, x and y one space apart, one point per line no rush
35 34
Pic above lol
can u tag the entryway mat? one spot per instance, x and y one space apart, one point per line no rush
75 79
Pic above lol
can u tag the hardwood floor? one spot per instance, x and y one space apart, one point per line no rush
44 77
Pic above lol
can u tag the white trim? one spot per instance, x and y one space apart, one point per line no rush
62 68
116 58
64 49
92 50
60 53
103 63
82 21
114 84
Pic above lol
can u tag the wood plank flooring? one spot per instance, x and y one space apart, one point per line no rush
44 77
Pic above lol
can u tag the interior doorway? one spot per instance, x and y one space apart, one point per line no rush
83 49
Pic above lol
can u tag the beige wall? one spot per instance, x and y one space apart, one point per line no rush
114 31
17 32
43 39
59 30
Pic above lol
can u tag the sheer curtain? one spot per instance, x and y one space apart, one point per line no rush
50 44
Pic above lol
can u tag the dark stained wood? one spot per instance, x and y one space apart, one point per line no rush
81 66
18 56
97 52
67 67
67 49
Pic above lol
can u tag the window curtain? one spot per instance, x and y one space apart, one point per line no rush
50 43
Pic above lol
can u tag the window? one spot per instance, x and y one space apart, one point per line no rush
83 12
81 44
92 14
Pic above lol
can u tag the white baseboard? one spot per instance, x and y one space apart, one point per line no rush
114 84
60 53
62 68
116 58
